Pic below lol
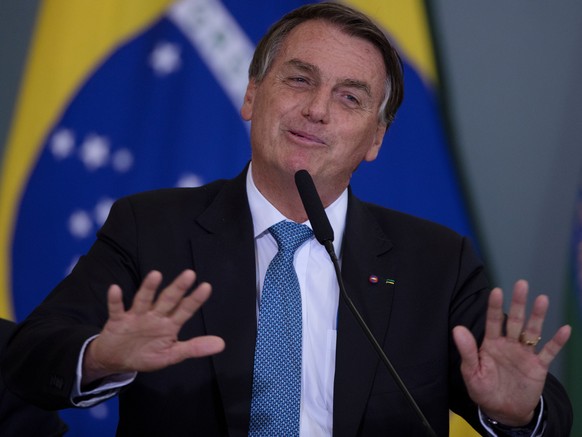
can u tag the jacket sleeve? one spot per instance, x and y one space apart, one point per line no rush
41 359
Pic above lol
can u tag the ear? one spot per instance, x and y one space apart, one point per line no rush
374 149
246 111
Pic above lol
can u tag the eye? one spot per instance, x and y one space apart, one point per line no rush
298 79
297 82
351 99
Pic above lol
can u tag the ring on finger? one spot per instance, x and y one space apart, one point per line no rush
528 342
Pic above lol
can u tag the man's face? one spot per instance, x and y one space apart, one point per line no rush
317 108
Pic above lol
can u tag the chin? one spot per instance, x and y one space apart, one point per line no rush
301 163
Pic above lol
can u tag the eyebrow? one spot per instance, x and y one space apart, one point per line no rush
352 83
310 68
304 66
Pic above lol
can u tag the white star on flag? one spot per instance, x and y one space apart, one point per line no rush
122 160
101 210
62 143
165 58
94 152
189 180
80 224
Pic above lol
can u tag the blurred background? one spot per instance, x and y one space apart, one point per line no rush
100 101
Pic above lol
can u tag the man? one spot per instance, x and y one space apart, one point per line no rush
324 87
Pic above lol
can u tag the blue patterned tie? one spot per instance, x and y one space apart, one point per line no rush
277 371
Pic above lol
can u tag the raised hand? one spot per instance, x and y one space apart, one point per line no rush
145 337
506 376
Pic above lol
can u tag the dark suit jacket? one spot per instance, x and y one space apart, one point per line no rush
438 284
18 417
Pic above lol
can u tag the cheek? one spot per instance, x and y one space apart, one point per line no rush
362 144
266 112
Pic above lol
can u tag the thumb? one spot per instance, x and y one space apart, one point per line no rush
198 347
467 347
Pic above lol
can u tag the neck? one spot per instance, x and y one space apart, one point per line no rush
280 190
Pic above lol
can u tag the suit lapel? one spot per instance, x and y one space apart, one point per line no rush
224 255
366 252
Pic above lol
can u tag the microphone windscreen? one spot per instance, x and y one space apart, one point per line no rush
313 207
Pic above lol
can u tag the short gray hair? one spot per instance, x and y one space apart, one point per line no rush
351 22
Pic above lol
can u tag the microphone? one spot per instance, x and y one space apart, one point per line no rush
324 234
312 203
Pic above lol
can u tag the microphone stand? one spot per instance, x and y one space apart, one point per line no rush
330 250
324 233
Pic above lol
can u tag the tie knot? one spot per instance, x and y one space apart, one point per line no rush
290 235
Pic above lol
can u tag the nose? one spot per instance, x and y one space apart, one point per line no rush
317 105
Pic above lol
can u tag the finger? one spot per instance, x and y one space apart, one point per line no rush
535 322
190 304
171 296
115 302
516 317
199 347
467 347
553 347
495 316
142 302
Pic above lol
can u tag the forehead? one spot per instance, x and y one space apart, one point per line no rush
334 52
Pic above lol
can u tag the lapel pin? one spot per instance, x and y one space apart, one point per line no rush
373 279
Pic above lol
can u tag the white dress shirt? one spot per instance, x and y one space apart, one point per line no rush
319 302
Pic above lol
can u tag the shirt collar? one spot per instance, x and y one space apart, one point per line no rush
265 215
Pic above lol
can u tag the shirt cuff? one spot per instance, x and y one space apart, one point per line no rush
105 389
533 429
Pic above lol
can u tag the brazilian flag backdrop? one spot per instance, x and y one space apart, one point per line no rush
121 97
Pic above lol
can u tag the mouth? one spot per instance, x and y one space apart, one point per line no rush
305 137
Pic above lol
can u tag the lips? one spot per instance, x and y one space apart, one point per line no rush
307 137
